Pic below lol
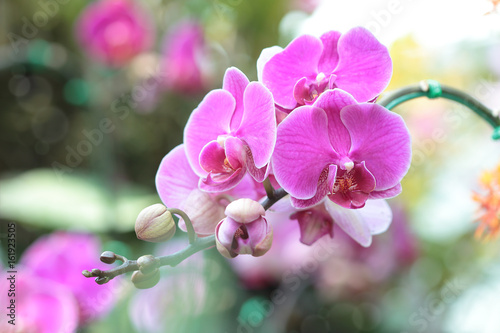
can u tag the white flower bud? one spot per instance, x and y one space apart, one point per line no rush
155 224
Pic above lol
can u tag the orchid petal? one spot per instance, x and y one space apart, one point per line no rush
380 138
235 82
324 187
235 152
258 126
314 223
264 57
259 174
203 211
212 158
221 184
284 69
301 91
386 194
329 57
302 151
378 216
362 58
374 218
333 101
248 188
175 179
209 120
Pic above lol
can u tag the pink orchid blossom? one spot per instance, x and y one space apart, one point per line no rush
41 305
177 186
244 230
352 268
342 150
115 31
355 62
232 131
185 62
61 257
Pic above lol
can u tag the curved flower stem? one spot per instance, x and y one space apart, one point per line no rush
177 257
102 277
269 188
174 259
433 89
196 244
189 225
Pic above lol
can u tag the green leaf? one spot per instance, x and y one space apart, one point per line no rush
79 202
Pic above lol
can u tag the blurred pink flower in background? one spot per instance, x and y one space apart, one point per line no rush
185 61
335 265
354 268
53 294
41 306
115 31
286 254
307 6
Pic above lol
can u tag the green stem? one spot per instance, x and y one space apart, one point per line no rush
196 244
199 245
189 225
433 89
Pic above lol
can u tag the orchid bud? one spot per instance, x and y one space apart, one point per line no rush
155 224
147 263
108 257
244 230
145 281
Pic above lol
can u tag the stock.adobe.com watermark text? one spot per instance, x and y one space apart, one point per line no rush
11 273
48 9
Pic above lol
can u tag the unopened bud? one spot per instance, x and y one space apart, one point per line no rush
244 230
145 281
155 224
147 263
108 257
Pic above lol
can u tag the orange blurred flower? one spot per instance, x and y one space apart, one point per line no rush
495 4
489 210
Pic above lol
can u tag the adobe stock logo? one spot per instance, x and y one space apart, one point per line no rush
434 306
31 26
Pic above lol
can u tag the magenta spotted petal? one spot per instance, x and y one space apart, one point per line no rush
349 153
355 62
232 132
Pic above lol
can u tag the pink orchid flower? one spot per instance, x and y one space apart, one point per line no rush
185 60
41 306
177 186
342 150
61 257
232 131
115 31
355 62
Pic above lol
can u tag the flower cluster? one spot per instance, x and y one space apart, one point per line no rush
309 126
